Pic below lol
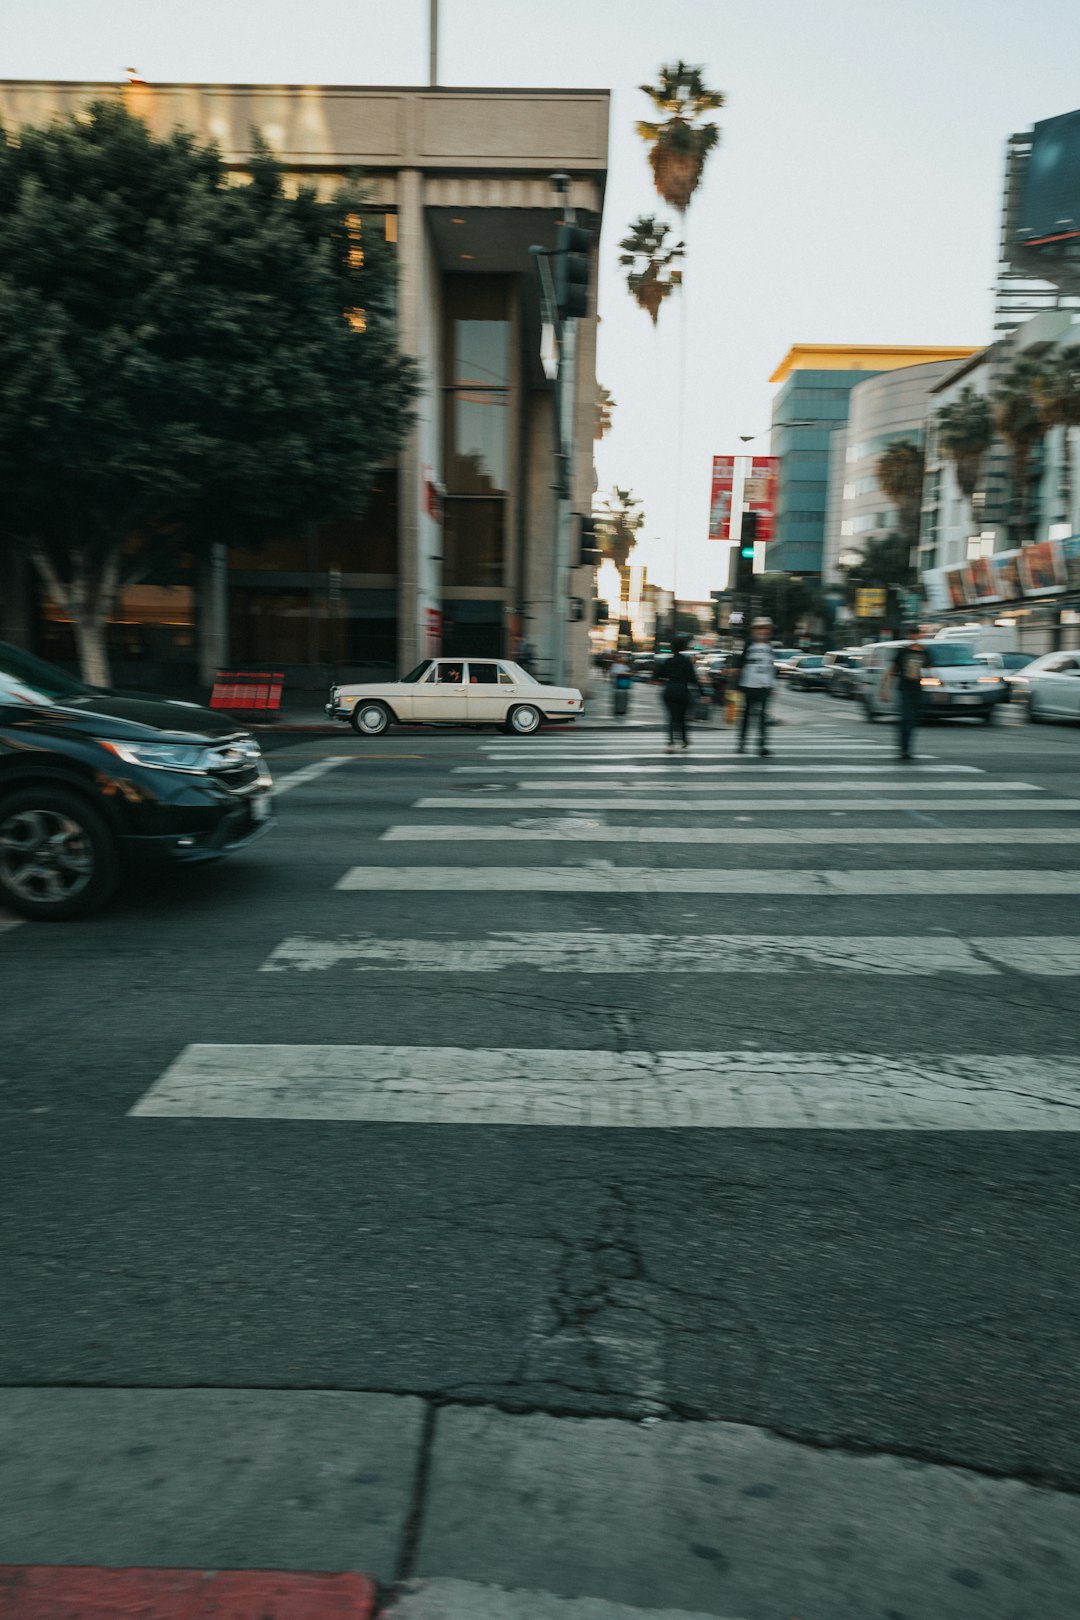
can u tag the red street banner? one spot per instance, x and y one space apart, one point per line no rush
759 493
723 482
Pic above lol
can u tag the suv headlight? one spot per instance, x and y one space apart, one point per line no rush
159 756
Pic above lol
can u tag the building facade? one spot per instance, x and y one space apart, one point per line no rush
810 407
884 409
458 549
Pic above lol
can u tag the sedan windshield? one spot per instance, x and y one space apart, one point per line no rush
416 674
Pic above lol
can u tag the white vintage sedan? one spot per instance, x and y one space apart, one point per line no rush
457 692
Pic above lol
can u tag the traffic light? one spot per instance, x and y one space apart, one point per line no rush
572 252
589 553
744 562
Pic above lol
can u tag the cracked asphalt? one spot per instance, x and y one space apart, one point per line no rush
904 1292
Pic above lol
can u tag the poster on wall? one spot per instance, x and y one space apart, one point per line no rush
1042 568
1005 567
759 493
1070 552
954 584
979 582
723 483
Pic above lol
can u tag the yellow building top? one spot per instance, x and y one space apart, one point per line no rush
865 357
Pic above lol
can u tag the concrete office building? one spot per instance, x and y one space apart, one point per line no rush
816 380
457 547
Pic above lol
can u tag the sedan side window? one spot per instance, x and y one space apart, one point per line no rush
482 674
451 674
505 677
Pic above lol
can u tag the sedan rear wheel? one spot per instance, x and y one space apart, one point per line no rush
369 718
57 855
523 720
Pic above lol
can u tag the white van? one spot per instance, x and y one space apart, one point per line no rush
955 683
982 638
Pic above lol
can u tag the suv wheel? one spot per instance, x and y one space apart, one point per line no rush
57 856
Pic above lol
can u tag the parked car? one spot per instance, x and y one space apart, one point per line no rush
806 672
1050 685
457 692
957 683
1010 664
94 781
838 673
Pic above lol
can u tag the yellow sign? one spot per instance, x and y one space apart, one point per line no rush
870 603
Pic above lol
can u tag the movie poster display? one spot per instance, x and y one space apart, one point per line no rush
1006 571
1070 553
1042 568
979 582
955 585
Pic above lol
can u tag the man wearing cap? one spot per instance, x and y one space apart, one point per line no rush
756 676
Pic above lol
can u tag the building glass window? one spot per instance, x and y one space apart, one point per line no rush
477 429
474 541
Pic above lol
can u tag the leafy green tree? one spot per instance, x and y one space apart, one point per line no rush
183 360
1057 393
900 471
681 141
649 263
786 599
965 431
1021 424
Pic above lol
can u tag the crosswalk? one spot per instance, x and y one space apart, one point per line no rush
927 835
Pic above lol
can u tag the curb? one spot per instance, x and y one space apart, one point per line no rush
62 1592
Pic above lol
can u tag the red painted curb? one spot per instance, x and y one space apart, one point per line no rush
56 1592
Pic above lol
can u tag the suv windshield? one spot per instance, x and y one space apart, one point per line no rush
24 677
950 652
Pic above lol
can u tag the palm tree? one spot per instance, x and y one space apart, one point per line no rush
605 406
649 261
1016 411
619 518
965 431
680 143
1057 394
900 473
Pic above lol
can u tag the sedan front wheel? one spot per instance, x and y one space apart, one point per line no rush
370 719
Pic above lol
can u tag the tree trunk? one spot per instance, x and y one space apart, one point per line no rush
93 652
88 597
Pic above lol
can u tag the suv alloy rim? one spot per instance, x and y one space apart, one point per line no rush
45 856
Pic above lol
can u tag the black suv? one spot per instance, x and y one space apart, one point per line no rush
91 781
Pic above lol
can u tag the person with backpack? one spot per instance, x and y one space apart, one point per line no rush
680 682
756 680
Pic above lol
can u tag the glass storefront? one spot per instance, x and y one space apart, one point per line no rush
477 428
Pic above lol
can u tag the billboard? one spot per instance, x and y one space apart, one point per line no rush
979 582
1050 201
723 484
1070 551
956 585
1006 571
759 493
1042 568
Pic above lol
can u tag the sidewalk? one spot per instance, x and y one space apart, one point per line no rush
471 1513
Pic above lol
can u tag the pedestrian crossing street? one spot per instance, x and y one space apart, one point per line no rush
964 832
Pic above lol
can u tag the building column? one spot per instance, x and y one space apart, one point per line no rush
411 263
212 614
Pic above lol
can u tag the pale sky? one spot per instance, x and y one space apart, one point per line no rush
854 197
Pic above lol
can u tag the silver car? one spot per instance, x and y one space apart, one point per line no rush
955 681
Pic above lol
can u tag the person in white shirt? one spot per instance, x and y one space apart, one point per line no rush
757 678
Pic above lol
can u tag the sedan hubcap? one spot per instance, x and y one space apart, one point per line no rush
45 855
372 720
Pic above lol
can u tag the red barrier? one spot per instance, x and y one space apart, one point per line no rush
51 1592
236 690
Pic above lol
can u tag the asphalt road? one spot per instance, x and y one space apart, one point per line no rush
906 1291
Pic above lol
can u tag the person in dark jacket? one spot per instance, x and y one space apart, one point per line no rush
680 680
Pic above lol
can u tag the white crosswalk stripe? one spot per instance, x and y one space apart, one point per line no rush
603 877
707 1090
686 766
921 955
584 800
570 831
